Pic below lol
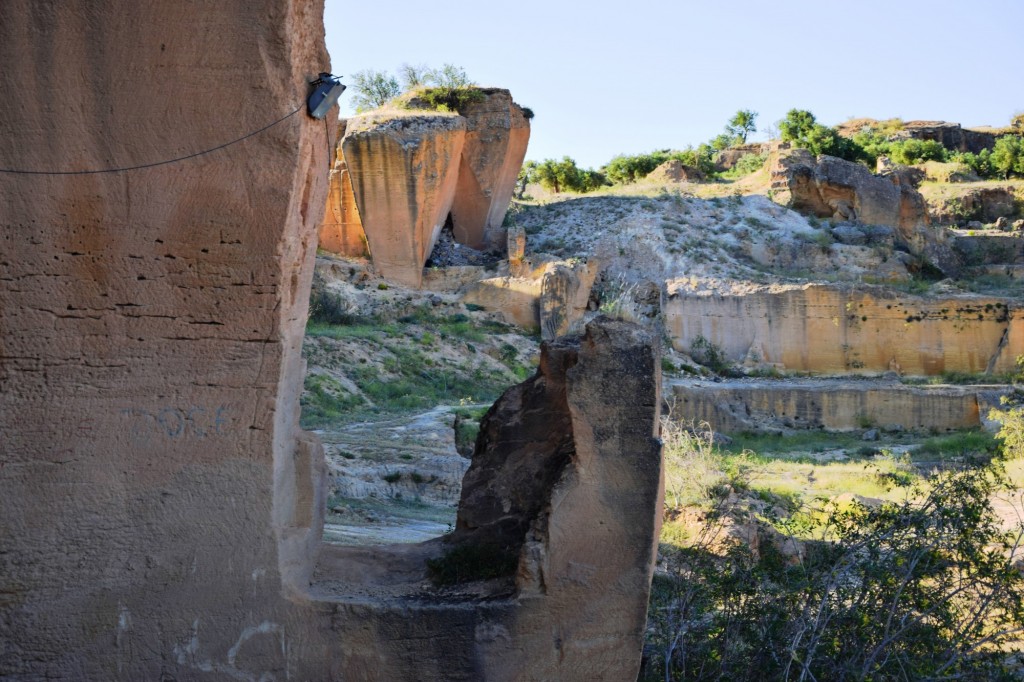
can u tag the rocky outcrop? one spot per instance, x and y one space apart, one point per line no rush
675 170
828 187
547 573
728 158
551 295
950 135
497 133
403 169
735 406
835 329
983 202
566 476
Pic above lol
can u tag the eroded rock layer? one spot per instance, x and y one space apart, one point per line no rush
828 187
751 405
831 328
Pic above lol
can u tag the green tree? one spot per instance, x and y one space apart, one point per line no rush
797 125
742 124
1008 156
373 89
563 175
526 175
450 76
913 151
415 75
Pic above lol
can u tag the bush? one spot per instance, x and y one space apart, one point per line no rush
908 152
710 355
922 589
563 175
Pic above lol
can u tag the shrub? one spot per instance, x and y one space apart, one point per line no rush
920 589
908 152
710 355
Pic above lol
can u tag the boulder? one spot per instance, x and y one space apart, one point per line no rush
497 134
565 290
403 168
828 187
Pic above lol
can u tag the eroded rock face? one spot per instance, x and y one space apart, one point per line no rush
567 475
828 187
497 134
550 295
675 170
835 329
158 499
734 406
950 135
341 230
403 169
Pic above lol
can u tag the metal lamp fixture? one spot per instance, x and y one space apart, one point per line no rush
326 91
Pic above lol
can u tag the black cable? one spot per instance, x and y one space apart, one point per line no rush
158 163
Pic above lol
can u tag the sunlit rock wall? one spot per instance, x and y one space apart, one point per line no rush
157 498
403 169
497 134
828 328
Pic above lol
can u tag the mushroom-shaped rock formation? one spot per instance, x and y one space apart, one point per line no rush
403 169
497 133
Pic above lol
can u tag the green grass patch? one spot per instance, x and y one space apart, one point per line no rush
325 401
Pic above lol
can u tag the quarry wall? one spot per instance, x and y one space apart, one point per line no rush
839 329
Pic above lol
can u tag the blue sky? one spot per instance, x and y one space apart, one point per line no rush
628 77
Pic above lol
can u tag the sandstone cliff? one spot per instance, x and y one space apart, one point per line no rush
403 168
835 329
157 497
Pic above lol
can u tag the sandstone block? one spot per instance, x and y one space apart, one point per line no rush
403 168
497 134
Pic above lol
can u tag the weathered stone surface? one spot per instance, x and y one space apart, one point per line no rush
835 329
497 134
550 295
950 135
990 248
565 290
516 245
751 405
828 187
517 299
567 474
158 500
675 170
985 202
403 168
341 231
727 158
